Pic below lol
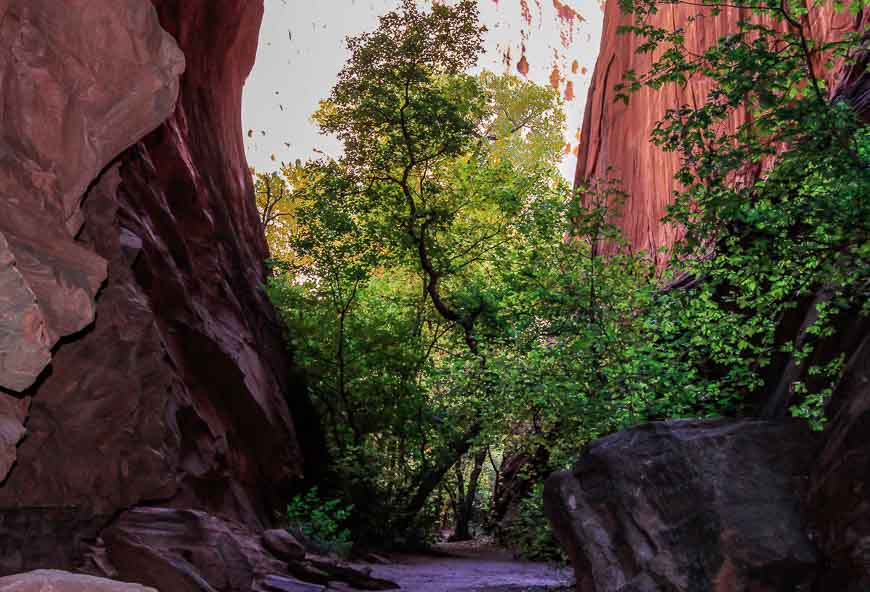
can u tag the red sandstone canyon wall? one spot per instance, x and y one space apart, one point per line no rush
141 362
614 141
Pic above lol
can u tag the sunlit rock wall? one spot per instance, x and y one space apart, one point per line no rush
614 142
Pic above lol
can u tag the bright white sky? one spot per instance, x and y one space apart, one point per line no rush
302 50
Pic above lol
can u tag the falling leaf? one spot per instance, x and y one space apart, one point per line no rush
525 11
555 77
506 58
523 66
567 17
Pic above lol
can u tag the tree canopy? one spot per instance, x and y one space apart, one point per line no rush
447 294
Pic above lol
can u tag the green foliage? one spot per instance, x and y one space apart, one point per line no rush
321 521
589 344
445 291
774 211
397 245
529 533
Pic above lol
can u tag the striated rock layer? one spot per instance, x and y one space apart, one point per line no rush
189 551
614 141
177 395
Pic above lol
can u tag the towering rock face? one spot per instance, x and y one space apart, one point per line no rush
614 141
176 395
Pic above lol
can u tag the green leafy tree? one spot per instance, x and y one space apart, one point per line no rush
392 295
277 206
448 295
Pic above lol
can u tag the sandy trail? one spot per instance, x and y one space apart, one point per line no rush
472 568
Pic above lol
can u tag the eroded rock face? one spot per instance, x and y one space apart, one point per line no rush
72 101
688 506
186 551
80 81
13 412
615 137
177 394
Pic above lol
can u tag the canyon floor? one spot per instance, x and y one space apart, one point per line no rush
471 567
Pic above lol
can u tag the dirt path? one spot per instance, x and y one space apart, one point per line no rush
472 568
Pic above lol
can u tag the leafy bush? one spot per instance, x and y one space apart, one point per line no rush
529 533
321 521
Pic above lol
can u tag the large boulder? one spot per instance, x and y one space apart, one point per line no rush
61 581
688 506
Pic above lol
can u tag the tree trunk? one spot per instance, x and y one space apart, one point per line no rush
465 503
432 478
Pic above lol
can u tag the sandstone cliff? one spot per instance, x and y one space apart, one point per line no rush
614 141
140 360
